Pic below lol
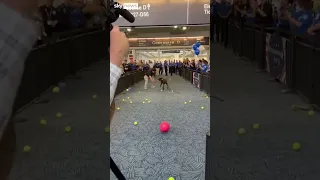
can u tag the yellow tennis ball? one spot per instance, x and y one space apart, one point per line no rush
135 123
56 89
190 101
59 114
127 89
241 131
202 107
107 130
207 97
296 146
143 102
67 129
170 178
185 102
118 108
256 126
130 102
43 121
146 99
123 100
26 148
138 91
311 113
149 101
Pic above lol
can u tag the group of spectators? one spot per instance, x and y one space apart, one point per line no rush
298 16
69 15
167 67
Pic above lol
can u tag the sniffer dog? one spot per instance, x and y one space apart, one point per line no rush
163 82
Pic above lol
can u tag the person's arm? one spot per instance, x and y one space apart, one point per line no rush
115 74
314 28
18 36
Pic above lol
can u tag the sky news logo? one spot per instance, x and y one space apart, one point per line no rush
128 6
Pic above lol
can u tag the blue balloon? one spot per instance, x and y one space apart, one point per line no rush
198 44
194 47
197 52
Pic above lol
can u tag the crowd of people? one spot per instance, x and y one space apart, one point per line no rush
167 67
297 16
68 15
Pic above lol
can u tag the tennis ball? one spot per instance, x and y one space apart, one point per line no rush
149 102
296 146
128 97
135 123
43 121
172 90
294 107
138 91
118 108
127 89
161 90
207 97
94 96
146 99
59 114
56 89
311 113
170 178
143 102
130 102
241 131
123 100
190 101
26 148
202 107
185 102
256 126
107 130
67 129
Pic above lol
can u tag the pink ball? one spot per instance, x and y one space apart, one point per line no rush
164 126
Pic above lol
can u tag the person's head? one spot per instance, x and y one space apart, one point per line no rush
205 62
200 61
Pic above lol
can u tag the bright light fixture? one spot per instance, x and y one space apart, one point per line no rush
175 27
184 28
129 30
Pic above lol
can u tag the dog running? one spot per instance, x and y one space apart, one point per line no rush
163 82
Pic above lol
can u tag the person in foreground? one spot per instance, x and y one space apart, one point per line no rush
16 45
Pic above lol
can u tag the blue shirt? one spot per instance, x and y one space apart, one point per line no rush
204 68
305 18
133 67
165 64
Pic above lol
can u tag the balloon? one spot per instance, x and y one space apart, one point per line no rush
194 47
198 44
201 48
197 52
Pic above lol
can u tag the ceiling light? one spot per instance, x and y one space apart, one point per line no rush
175 27
184 28
129 30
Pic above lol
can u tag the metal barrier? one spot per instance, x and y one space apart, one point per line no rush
293 60
49 64
203 79
127 80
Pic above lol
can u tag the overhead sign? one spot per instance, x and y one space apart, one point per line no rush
166 12
174 41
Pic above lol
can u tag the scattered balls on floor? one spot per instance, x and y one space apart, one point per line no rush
311 113
107 130
94 96
43 121
118 108
135 123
